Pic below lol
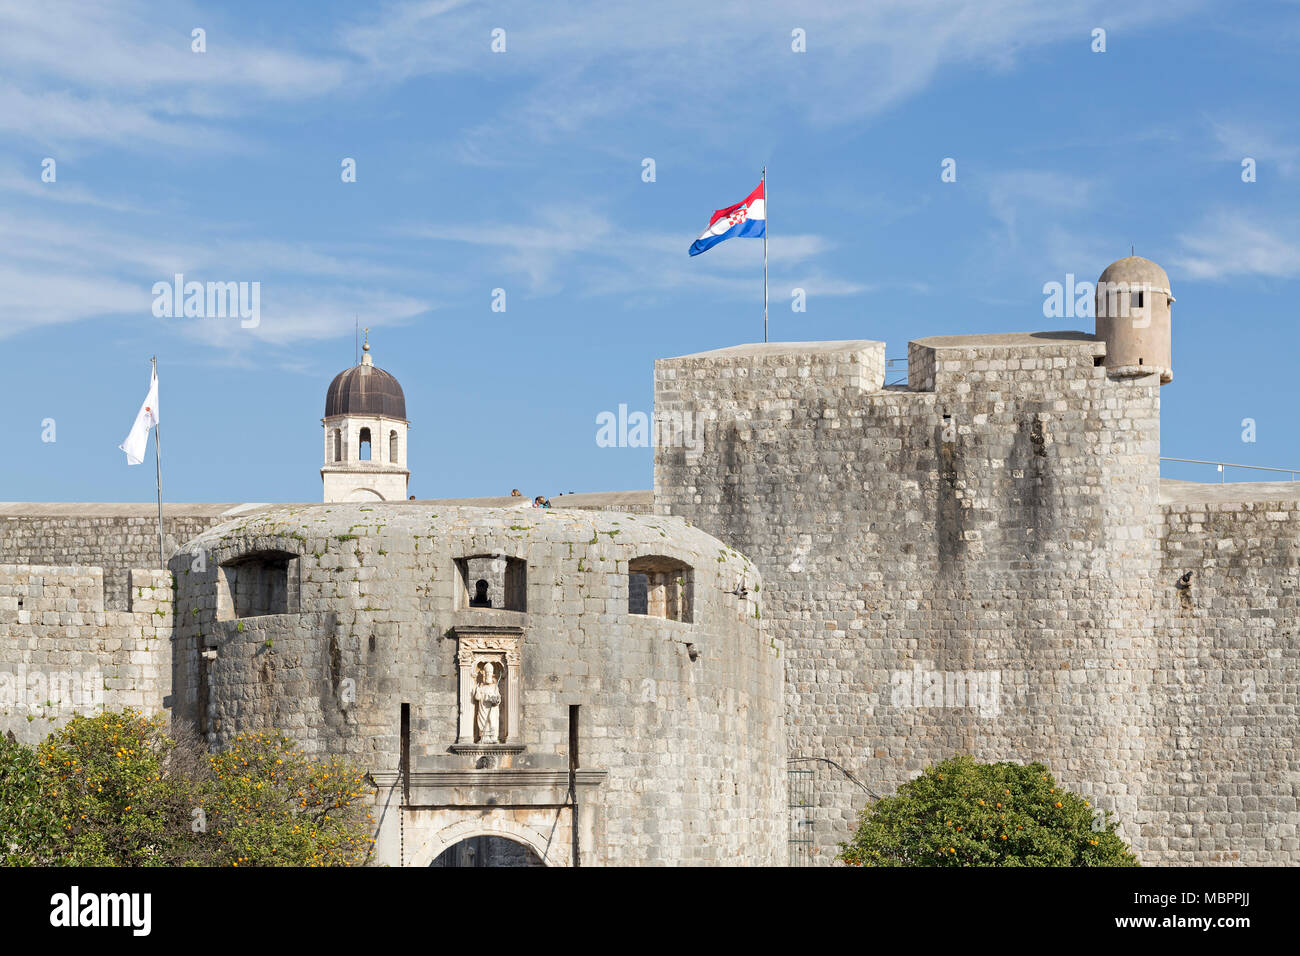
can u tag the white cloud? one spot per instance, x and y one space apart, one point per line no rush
577 248
1260 141
709 66
1226 244
32 186
1038 197
34 297
125 74
56 118
58 273
136 47
292 313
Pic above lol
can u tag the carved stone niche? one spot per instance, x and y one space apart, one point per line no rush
491 689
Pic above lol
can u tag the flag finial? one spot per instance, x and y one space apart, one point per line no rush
365 349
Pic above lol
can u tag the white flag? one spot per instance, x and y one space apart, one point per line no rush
135 443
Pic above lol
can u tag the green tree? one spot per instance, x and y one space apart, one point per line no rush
268 806
119 790
965 813
29 825
119 797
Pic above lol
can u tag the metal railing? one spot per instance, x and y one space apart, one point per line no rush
1228 464
897 368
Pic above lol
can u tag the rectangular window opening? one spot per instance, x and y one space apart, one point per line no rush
405 732
253 585
492 581
660 587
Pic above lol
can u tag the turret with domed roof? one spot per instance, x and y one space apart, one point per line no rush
1134 317
365 435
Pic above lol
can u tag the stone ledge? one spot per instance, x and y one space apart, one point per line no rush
486 750
489 778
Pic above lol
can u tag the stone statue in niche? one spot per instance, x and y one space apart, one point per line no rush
487 704
489 683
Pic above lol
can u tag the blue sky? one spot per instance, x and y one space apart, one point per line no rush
522 170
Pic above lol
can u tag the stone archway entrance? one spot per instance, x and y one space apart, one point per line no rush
528 806
488 850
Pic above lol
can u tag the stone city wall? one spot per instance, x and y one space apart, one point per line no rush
113 537
1224 777
963 565
62 653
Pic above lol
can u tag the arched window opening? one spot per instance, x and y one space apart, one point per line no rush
365 445
338 444
392 447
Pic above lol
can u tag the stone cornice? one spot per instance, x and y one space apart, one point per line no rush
489 779
505 627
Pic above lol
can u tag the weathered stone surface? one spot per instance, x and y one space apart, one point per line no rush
984 560
61 653
1000 520
684 719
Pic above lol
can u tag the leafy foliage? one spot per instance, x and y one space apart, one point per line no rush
29 825
270 806
118 790
965 813
108 782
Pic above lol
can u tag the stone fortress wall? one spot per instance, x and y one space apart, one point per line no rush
680 726
1224 776
980 562
112 537
983 560
119 537
62 652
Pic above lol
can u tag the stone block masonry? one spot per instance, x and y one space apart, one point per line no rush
999 517
856 577
62 653
1224 769
113 537
678 718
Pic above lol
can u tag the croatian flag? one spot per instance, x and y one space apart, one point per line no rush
746 219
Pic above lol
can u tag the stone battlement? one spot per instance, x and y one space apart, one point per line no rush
944 362
61 652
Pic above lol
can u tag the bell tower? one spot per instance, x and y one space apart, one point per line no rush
365 435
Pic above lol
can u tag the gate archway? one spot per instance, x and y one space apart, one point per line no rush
433 844
488 849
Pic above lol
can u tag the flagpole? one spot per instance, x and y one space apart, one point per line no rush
764 253
157 450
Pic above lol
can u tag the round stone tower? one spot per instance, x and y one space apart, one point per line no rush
638 710
1133 317
365 435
